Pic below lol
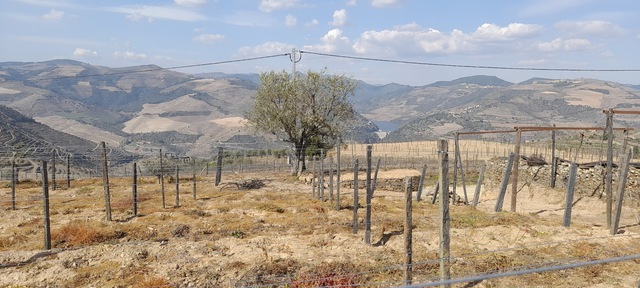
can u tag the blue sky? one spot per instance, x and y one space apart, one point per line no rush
582 34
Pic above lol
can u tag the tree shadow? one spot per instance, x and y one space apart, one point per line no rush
385 238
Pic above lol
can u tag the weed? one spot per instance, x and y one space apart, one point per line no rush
271 208
238 234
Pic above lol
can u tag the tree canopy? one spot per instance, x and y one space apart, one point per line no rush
311 108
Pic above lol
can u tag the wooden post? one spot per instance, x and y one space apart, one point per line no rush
219 167
164 205
331 180
375 178
338 176
53 170
516 162
436 188
105 181
355 196
314 173
573 169
554 171
47 221
13 185
622 182
408 232
421 182
321 179
194 177
445 219
68 171
456 155
609 171
134 198
177 186
368 195
476 196
505 183
464 185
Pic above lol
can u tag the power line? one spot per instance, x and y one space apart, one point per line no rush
161 68
468 66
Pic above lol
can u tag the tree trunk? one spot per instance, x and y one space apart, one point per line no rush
298 165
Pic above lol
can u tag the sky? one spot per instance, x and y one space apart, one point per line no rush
413 34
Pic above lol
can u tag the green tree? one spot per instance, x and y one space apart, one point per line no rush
310 108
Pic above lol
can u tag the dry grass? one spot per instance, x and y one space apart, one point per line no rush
225 222
81 233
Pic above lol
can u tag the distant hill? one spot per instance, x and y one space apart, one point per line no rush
138 109
480 80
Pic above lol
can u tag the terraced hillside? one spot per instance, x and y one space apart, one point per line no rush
26 142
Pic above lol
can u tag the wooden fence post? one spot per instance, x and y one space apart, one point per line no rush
47 221
456 155
219 166
408 232
162 181
330 180
609 171
134 198
368 195
177 186
554 163
436 188
314 172
573 169
68 171
514 174
476 196
53 170
421 182
339 171
622 182
375 178
13 185
194 177
505 183
355 196
105 181
445 219
321 179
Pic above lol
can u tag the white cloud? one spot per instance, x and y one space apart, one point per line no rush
290 20
266 48
593 27
568 45
83 53
270 5
137 12
204 38
413 39
339 18
385 3
331 42
190 3
493 32
130 55
315 22
352 2
54 15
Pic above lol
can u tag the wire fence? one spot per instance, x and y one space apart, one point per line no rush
188 172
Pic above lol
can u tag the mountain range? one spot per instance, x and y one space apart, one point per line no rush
139 109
